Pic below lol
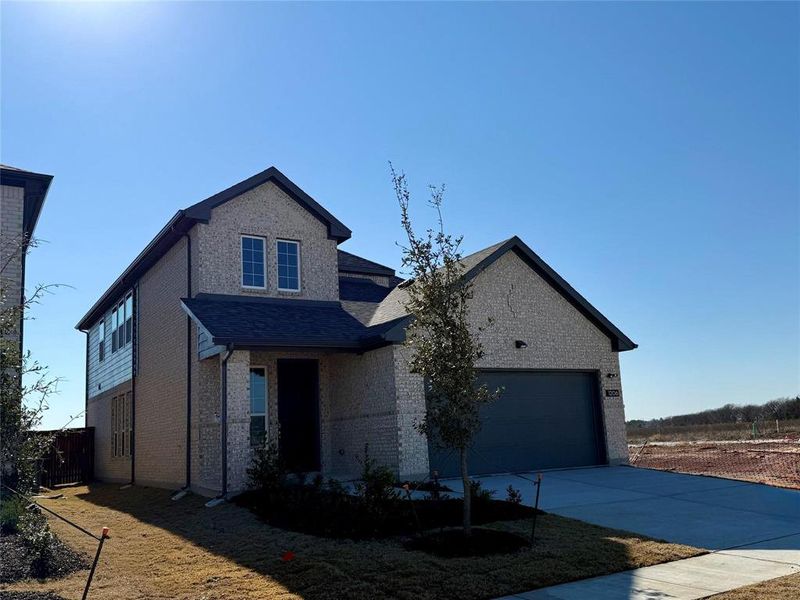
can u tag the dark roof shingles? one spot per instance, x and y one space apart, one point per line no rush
350 263
265 322
356 289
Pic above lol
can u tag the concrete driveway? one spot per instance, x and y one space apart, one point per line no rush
705 512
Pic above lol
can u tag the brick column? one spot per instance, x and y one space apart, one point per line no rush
239 453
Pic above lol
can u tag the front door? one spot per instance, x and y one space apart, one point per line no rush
298 413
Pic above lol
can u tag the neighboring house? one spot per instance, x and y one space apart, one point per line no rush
243 320
22 195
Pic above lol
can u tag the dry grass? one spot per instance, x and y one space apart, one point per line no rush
782 588
164 549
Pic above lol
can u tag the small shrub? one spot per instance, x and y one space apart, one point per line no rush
335 488
267 471
12 509
478 493
513 495
35 532
377 484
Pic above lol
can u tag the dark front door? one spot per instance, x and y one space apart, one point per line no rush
298 413
543 420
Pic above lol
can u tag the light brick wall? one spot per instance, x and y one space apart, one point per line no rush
239 453
206 443
160 390
525 307
265 211
363 411
12 204
107 467
413 446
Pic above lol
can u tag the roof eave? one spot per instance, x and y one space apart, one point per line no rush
177 226
36 186
619 341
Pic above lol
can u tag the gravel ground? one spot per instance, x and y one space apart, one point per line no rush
17 561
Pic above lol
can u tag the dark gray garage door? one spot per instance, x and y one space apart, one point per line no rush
543 420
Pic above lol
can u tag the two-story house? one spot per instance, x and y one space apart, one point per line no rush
243 320
22 195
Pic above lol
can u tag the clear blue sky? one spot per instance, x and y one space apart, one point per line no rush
648 152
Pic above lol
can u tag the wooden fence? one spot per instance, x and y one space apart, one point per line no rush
71 459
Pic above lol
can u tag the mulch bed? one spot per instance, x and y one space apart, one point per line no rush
323 514
17 562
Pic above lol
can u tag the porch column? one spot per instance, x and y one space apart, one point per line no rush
239 453
410 396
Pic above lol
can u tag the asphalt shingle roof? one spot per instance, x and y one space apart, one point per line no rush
350 263
277 322
357 289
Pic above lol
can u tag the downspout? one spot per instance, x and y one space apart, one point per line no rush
86 391
188 365
224 419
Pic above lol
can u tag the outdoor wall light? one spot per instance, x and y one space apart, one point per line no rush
611 375
520 344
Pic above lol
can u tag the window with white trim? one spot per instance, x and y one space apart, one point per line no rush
258 405
288 265
254 274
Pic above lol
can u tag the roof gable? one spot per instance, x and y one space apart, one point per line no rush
619 340
474 264
185 219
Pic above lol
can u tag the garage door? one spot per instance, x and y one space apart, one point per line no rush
543 420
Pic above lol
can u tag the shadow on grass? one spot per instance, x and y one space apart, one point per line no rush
565 550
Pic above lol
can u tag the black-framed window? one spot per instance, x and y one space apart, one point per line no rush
258 405
128 318
101 340
121 422
114 325
254 274
288 265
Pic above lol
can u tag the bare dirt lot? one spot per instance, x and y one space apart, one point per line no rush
774 462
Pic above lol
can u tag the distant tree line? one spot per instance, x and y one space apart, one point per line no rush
781 408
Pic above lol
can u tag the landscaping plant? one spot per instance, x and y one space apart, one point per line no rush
445 348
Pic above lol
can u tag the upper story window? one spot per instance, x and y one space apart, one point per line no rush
288 266
122 323
101 340
253 262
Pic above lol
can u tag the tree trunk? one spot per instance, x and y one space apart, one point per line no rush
467 494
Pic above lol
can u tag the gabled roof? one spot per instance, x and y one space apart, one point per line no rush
186 218
202 210
257 322
392 307
350 263
36 186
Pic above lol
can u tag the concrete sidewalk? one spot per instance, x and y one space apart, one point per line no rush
688 579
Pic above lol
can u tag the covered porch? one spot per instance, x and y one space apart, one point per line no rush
303 375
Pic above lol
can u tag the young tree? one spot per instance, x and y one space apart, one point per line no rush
445 346
25 385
